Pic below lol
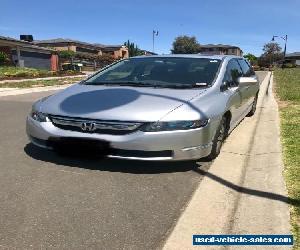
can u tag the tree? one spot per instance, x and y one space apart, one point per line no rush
185 45
272 48
67 54
104 60
272 54
251 58
133 49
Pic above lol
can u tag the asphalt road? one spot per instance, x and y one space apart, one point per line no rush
49 201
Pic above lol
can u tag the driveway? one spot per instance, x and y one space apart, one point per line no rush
54 202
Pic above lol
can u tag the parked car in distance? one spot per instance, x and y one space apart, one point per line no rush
170 107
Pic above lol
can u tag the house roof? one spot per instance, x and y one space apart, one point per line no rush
294 54
225 46
11 42
61 40
67 40
220 57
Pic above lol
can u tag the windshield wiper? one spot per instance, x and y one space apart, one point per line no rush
127 83
147 84
184 86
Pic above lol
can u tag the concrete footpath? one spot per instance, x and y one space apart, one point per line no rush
21 91
243 192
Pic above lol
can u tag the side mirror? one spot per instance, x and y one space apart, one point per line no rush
246 80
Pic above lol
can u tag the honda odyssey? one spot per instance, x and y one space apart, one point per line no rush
169 107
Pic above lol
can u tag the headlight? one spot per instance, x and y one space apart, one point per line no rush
38 116
175 125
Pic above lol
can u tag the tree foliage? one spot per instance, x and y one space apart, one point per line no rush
3 58
185 45
272 54
66 54
133 49
104 60
251 58
272 48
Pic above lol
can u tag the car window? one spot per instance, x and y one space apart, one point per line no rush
233 72
247 70
165 71
120 72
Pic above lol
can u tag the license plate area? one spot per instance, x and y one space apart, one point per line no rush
80 145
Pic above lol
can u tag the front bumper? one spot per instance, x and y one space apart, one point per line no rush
139 145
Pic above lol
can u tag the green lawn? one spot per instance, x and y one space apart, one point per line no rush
287 86
40 83
10 72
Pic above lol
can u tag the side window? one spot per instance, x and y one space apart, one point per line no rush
233 72
247 70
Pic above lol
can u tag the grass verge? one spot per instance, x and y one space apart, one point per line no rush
287 87
10 72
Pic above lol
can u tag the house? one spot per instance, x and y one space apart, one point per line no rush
84 48
220 49
26 54
293 58
116 51
148 53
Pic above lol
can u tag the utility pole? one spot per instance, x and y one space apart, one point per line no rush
285 42
154 33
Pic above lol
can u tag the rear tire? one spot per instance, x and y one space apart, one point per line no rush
253 108
219 138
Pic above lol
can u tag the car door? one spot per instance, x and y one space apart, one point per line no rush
235 102
250 87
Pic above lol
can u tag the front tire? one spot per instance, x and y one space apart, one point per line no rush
253 108
218 139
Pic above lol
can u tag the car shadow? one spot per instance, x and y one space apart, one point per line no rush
248 191
98 100
100 163
108 99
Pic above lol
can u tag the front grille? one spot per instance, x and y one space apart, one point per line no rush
94 126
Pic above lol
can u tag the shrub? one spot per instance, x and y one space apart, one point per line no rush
288 65
66 54
105 60
3 58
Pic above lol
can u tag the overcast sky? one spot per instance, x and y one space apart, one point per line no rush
248 24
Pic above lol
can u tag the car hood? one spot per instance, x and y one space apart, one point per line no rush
116 102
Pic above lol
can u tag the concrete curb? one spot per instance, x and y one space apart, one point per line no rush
243 192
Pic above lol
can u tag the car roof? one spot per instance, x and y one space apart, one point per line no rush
220 57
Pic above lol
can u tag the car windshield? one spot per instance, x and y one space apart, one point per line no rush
170 72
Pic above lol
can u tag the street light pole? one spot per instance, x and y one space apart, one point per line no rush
285 42
284 53
154 33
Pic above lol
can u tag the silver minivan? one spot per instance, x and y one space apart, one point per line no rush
170 107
